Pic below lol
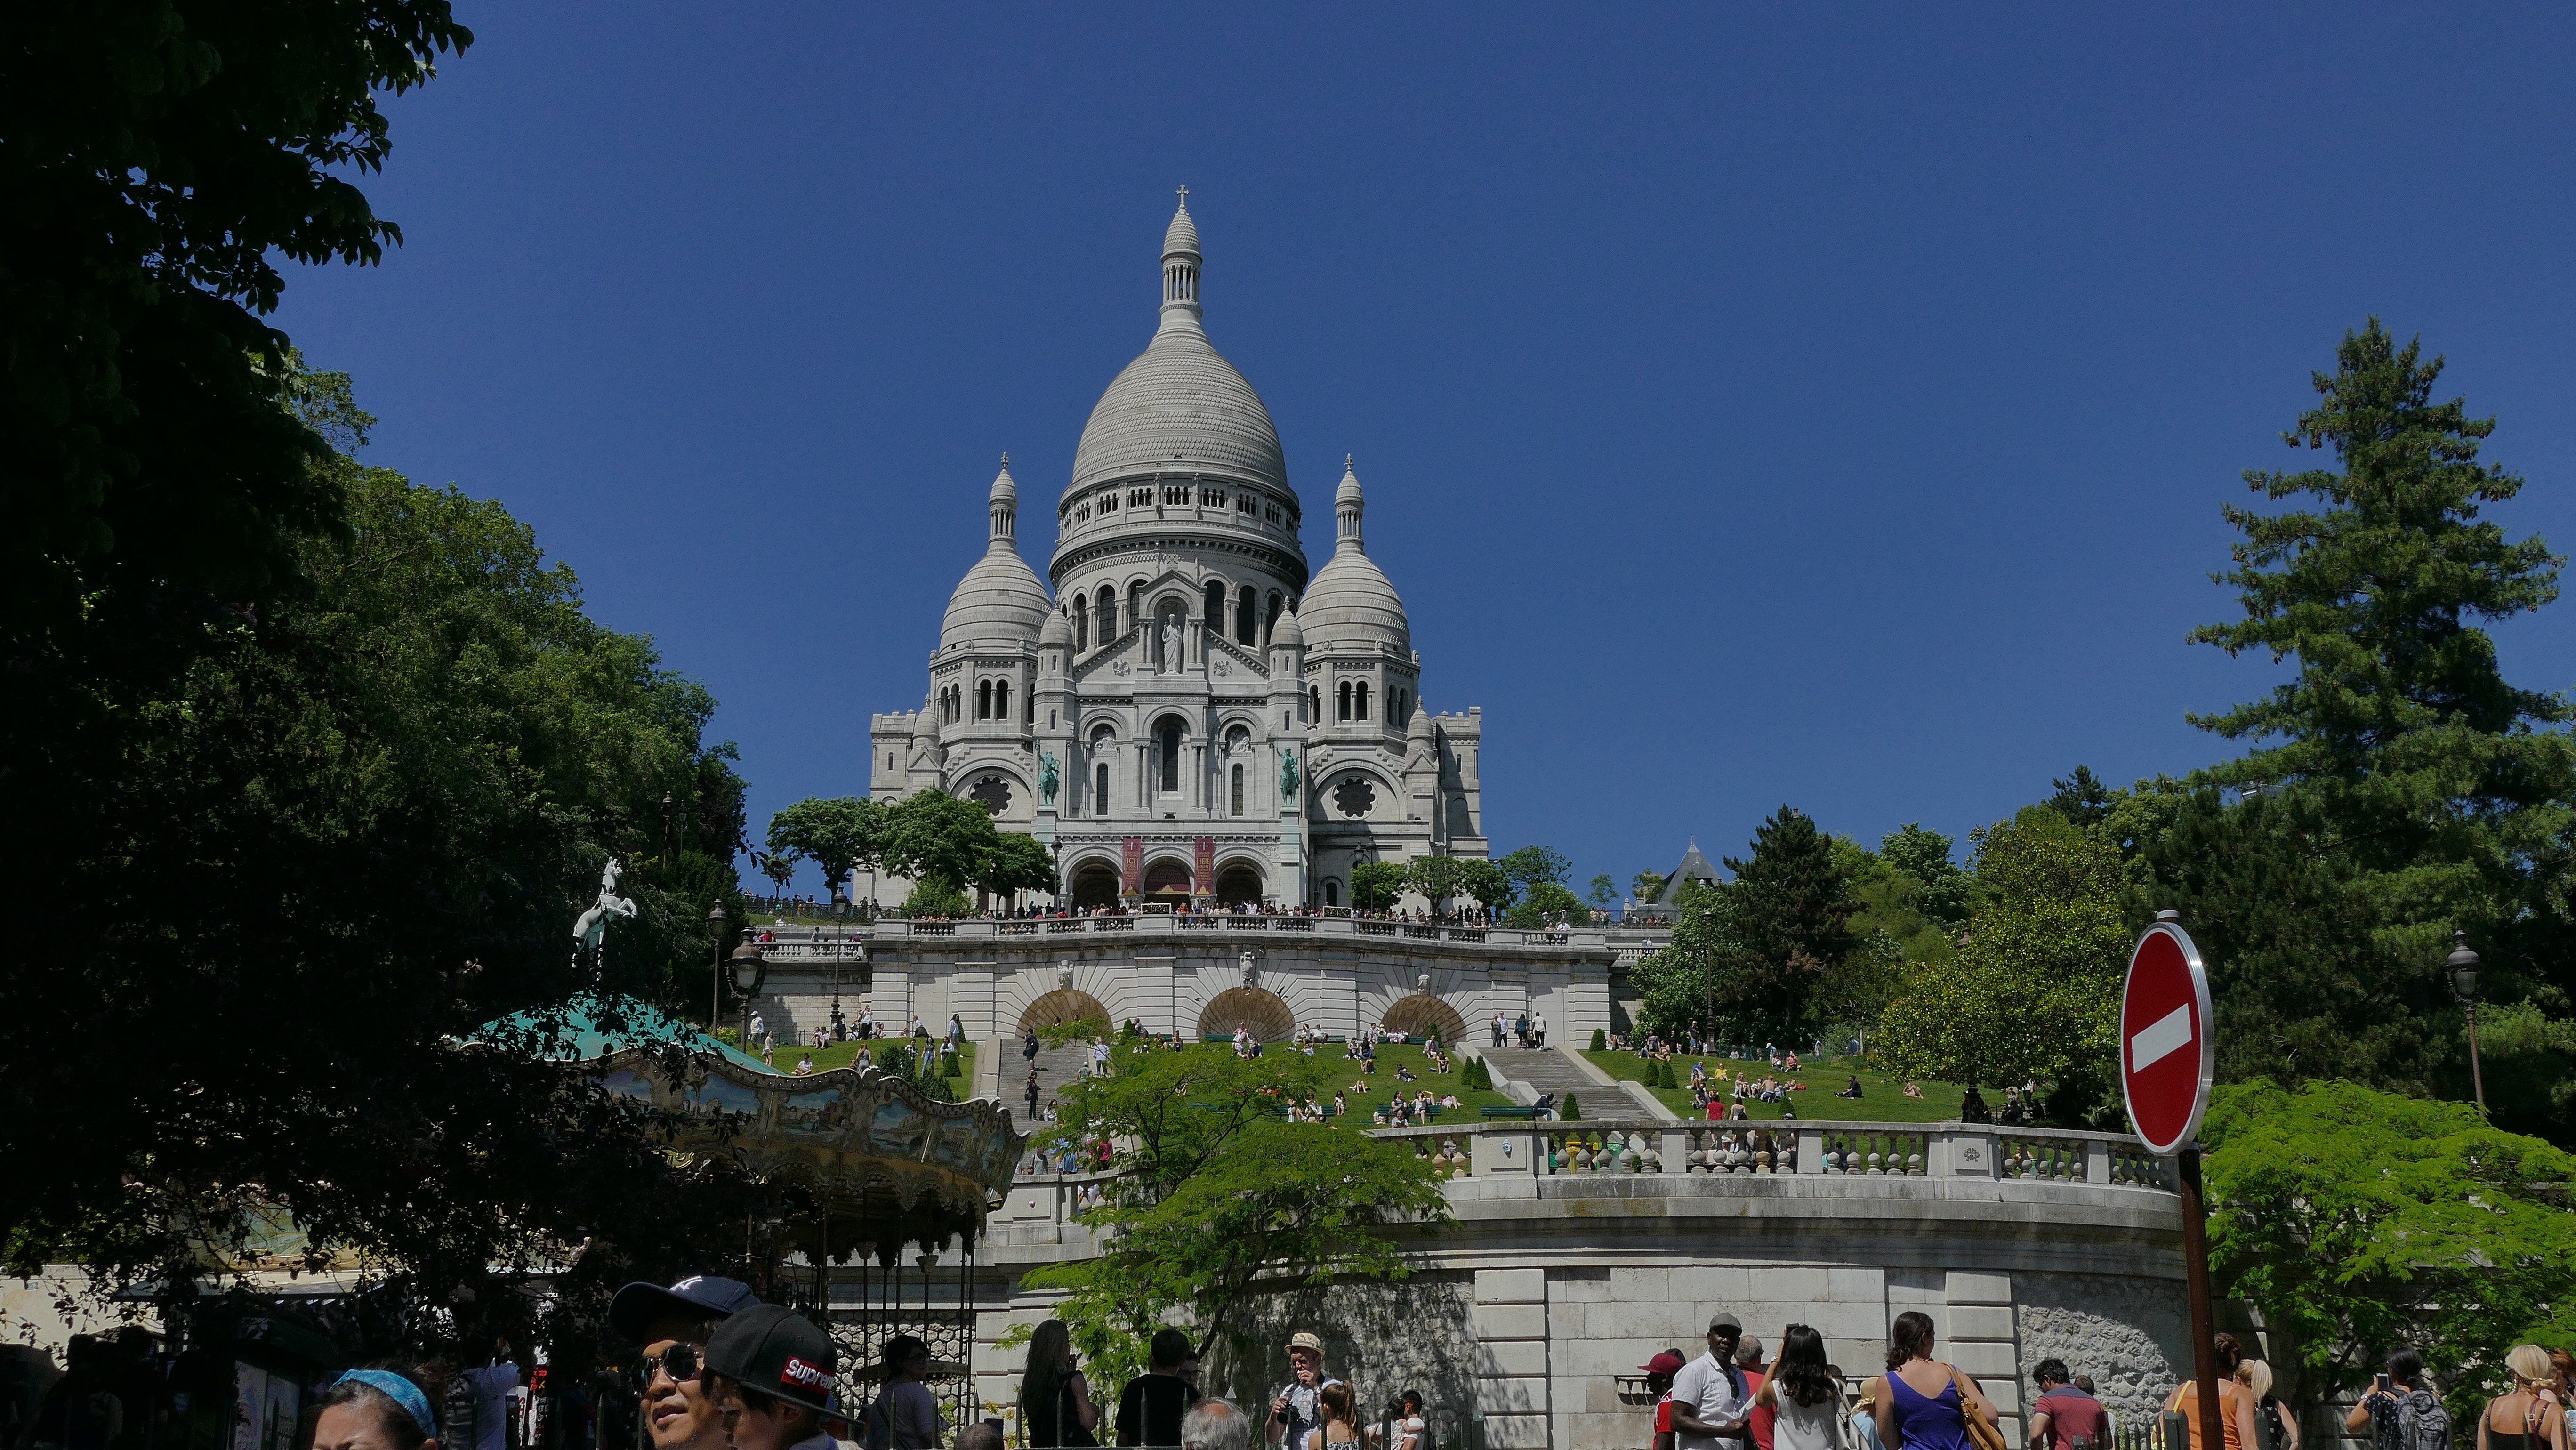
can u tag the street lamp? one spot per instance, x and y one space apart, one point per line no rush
750 969
2463 970
715 973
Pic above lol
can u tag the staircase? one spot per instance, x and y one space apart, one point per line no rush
1547 1070
1057 1067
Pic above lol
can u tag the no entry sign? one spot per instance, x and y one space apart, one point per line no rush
2166 1049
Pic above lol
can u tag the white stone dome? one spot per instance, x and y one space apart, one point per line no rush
1179 407
1000 601
1352 604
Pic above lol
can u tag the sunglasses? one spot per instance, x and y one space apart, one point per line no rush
681 1362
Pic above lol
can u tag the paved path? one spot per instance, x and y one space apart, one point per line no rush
1546 1070
1057 1066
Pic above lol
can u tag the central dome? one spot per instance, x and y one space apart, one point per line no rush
1182 408
1179 407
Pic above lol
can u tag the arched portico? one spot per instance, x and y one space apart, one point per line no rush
1254 1007
1421 1015
1061 1007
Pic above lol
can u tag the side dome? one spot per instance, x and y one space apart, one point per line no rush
1057 633
1000 601
1352 604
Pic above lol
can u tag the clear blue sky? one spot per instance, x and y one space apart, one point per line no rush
1756 407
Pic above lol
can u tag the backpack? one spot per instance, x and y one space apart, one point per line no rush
2413 1420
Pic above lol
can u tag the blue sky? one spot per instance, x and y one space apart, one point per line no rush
1756 407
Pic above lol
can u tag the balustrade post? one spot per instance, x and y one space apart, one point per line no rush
1811 1150
2097 1161
1676 1150
1968 1155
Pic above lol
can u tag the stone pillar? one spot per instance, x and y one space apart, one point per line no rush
1510 1323
1977 1335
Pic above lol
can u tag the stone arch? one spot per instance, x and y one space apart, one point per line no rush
1238 880
1422 1014
1255 1007
1095 883
1168 877
1059 1007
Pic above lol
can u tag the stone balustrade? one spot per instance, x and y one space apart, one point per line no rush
1619 1146
823 942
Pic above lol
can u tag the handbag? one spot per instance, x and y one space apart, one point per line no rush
1980 1434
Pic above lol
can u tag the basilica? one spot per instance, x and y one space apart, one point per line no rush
1189 714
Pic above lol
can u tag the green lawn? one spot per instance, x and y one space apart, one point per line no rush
1882 1097
845 1054
1343 1075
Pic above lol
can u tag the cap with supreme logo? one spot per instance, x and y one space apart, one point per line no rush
777 1351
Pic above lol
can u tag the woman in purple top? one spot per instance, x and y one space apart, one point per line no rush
1927 1402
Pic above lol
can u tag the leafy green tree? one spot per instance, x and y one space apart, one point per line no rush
1605 892
1532 866
1685 982
1791 912
1436 878
838 834
1015 862
1941 891
1483 882
937 837
2360 1220
2399 787
1646 885
1546 904
932 896
779 868
918 1064
1376 884
1218 1199
2035 992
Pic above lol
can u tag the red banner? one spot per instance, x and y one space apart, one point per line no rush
1133 864
1207 866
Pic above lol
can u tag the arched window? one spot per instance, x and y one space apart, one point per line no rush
1169 735
1332 893
1359 701
1270 625
1081 623
1001 699
983 699
1100 790
1108 612
1235 794
1216 607
1246 614
1135 605
1314 705
1399 717
1342 706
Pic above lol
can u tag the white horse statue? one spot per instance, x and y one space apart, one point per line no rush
593 926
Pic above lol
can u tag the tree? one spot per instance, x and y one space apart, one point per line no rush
1790 915
1218 1199
1605 892
1941 890
2035 993
2360 1220
2082 798
1646 885
779 868
1435 878
1680 983
1015 862
353 831
1909 900
838 834
2398 787
1483 882
1547 904
1530 866
1376 884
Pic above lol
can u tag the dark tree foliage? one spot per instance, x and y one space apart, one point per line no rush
2408 790
2082 798
1790 910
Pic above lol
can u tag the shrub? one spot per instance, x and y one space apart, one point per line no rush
1569 1110
1600 1040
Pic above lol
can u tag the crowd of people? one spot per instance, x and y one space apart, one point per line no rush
1529 1029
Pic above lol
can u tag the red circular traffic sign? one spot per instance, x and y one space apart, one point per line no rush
2167 1050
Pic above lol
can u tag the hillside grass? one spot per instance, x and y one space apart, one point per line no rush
1882 1098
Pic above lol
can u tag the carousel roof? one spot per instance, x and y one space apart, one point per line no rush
593 1026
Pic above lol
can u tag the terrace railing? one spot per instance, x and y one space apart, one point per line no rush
1620 1146
1160 924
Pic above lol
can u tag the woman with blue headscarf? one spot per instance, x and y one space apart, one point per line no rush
378 1409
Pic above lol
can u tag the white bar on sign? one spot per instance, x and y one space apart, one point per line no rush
2161 1038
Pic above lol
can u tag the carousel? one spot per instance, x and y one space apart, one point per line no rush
879 1189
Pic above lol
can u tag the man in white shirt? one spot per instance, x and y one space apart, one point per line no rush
1710 1401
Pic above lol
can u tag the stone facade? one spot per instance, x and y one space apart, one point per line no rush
1218 726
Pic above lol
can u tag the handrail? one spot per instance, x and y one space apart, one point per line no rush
2039 1157
791 939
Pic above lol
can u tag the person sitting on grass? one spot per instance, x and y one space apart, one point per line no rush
1853 1090
1403 1073
1913 1091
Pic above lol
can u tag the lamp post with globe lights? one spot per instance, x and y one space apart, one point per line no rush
715 973
2462 968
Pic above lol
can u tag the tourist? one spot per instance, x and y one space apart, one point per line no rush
956 1029
1152 1404
1028 1049
2529 1416
2064 1414
980 1435
760 1033
1340 1430
1297 1411
804 1064
770 1369
1801 1396
2235 1409
1520 1029
1927 1402
2400 1393
1100 1058
1913 1091
1215 1425
1055 1400
673 1325
1498 1029
1973 1109
1033 1095
1852 1089
2278 1428
905 1414
1748 1363
371 1409
1709 1396
1406 1427
1659 1373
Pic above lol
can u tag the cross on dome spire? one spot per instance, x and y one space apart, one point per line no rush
1181 269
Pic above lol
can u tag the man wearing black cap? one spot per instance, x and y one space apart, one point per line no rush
772 1370
1709 1395
673 1325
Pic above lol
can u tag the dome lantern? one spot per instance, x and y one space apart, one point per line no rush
1181 268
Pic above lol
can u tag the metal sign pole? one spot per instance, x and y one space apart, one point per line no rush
2204 1327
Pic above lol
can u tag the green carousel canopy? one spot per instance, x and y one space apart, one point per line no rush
885 1163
